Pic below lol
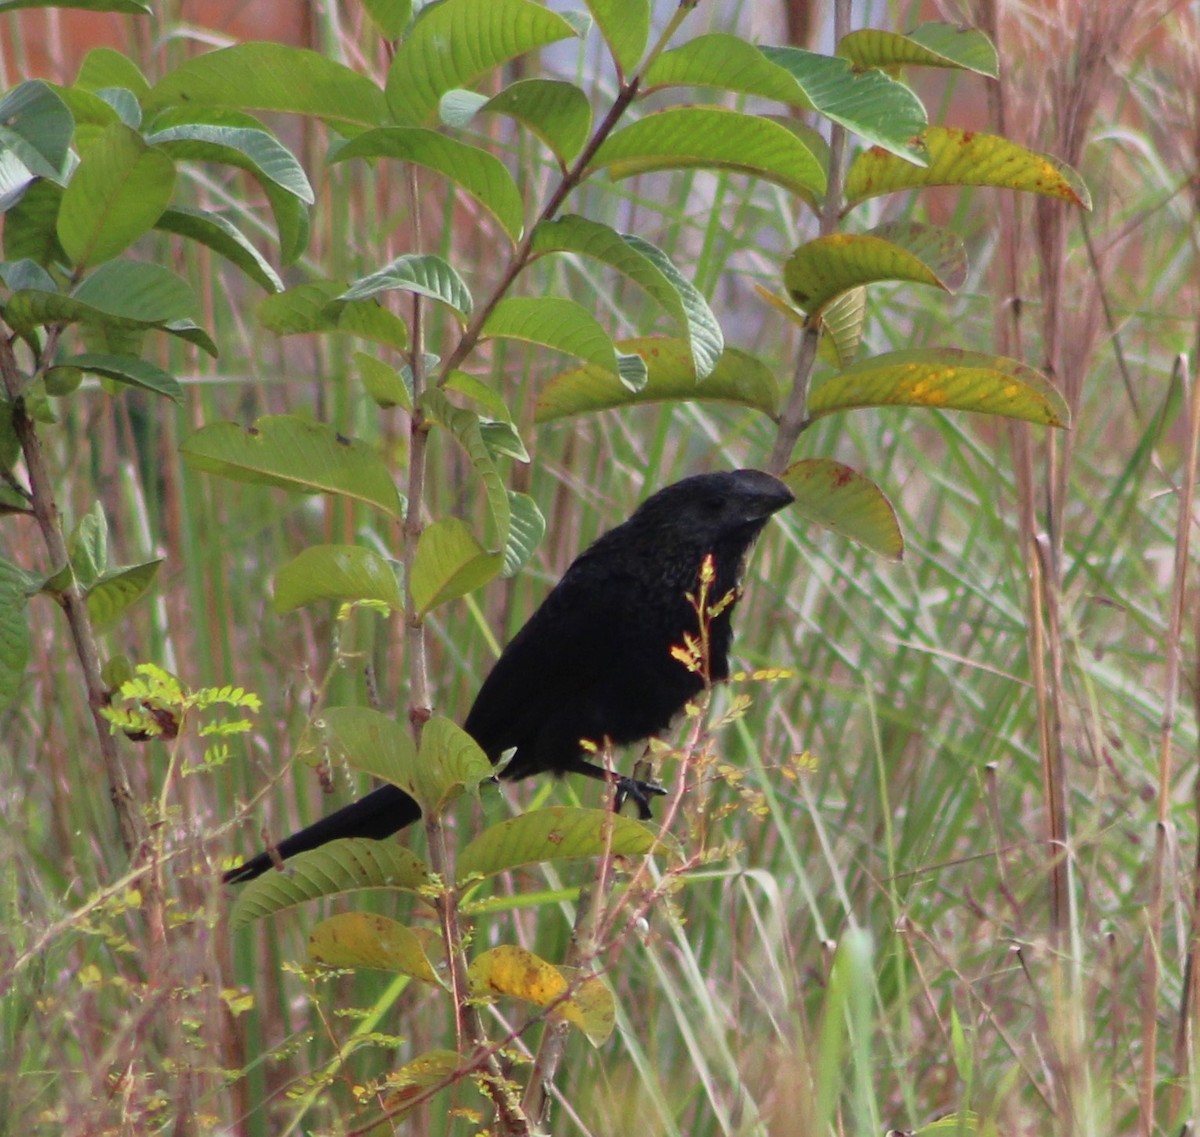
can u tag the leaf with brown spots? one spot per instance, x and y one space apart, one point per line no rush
946 379
964 158
841 499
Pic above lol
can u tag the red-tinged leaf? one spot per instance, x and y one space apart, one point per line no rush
840 499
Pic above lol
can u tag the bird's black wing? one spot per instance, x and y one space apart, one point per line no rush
553 663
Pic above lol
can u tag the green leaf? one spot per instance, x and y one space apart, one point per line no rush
458 107
137 290
371 743
106 67
14 632
125 103
449 563
87 547
128 369
728 63
556 833
119 294
26 274
316 307
649 268
292 220
477 172
10 444
845 1021
340 866
10 500
255 151
713 138
31 226
838 498
625 25
870 103
465 426
584 1000
558 113
336 572
190 332
842 325
475 389
364 939
113 593
385 385
36 126
448 763
294 454
552 322
501 438
129 7
737 378
525 532
824 268
15 179
304 309
964 1123
453 43
214 232
272 77
389 16
425 274
965 158
930 45
91 113
117 193
945 379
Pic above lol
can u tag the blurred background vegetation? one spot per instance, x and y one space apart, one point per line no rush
890 793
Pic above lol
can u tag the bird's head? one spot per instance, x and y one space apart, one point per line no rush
731 506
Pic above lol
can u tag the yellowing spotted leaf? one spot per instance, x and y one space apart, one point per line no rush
519 974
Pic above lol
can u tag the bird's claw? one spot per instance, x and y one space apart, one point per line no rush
639 793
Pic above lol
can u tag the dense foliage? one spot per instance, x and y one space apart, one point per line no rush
885 886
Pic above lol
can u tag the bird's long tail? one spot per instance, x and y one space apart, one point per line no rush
380 814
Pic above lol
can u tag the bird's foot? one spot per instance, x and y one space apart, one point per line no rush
639 793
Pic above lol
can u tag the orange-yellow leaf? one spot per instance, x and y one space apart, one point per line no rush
406 1086
945 378
363 939
512 971
965 158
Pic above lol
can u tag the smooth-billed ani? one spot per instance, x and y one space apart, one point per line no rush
594 661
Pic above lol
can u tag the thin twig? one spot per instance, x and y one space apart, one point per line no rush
794 417
130 824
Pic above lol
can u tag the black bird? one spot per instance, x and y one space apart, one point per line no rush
594 661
